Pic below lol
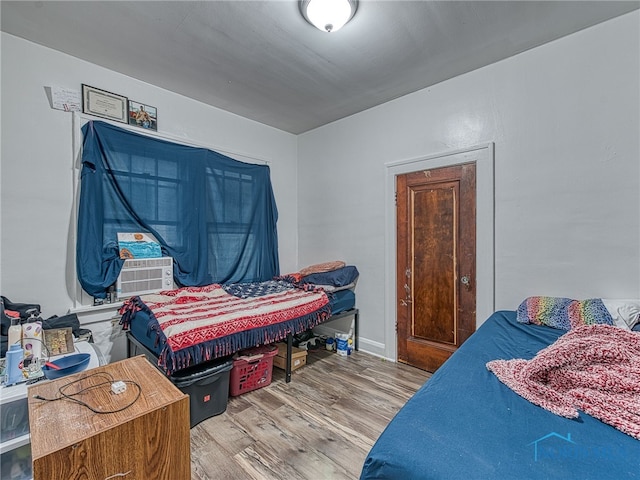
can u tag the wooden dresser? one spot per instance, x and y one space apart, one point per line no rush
148 440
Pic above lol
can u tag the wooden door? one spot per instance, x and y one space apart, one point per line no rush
436 259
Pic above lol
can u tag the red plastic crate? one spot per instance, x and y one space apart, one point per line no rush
252 369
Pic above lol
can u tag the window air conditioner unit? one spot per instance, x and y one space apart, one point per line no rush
144 275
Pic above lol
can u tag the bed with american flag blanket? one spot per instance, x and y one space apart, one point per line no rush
192 325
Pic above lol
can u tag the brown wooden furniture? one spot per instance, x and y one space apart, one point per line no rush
149 439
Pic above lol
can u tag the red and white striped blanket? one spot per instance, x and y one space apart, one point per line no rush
593 368
196 324
192 315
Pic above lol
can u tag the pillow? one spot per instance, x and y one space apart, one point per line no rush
544 311
322 267
338 278
563 313
625 313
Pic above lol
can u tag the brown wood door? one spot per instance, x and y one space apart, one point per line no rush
436 259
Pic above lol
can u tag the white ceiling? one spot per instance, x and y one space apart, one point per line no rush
261 60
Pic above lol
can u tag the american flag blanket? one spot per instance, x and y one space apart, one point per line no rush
196 324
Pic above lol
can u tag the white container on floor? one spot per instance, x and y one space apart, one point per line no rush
342 344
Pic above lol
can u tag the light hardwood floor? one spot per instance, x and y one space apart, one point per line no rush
319 426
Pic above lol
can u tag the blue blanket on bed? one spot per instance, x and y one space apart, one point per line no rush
465 424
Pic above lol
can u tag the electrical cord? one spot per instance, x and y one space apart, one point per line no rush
64 395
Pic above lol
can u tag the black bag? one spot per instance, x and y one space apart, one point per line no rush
26 310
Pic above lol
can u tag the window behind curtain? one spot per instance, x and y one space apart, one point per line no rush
214 215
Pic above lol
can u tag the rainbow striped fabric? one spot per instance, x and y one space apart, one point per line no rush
563 313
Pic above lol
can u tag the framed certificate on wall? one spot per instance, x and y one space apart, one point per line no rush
104 104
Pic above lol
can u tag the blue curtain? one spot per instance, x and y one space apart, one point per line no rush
214 215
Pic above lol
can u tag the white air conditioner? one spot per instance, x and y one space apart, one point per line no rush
144 275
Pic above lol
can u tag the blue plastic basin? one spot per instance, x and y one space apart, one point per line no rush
68 365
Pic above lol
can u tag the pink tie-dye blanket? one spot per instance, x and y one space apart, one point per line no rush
593 368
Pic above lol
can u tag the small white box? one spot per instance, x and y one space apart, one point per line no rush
118 387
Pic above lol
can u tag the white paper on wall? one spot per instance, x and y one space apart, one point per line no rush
66 99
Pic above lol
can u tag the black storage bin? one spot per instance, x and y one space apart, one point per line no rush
207 386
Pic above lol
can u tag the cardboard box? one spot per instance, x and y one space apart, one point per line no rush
298 357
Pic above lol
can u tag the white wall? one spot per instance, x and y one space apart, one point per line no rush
36 165
564 119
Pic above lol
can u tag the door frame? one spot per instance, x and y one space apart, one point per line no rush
483 157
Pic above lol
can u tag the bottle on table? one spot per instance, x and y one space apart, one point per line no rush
14 359
15 330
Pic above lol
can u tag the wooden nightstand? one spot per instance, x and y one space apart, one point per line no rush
149 439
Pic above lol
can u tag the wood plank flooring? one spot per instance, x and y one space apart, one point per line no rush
319 426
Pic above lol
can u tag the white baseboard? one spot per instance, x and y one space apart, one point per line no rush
374 348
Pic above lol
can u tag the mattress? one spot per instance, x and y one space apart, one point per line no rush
339 301
465 424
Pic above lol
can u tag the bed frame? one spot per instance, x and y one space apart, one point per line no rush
134 347
465 423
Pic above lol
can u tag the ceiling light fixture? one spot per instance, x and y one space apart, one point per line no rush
328 15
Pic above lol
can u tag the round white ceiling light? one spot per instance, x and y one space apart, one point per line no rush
328 15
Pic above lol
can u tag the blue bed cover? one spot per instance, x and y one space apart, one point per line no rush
465 424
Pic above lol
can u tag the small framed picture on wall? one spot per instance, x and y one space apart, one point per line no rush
104 104
144 116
